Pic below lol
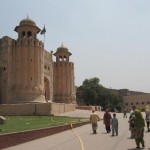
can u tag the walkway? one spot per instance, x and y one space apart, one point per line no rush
84 139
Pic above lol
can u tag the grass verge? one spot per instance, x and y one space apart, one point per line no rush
24 123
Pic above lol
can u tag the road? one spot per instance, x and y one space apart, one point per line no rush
82 138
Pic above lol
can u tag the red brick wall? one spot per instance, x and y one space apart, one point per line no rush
7 140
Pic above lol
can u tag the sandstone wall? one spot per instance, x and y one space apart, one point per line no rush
86 107
35 109
70 107
43 108
140 101
57 108
17 109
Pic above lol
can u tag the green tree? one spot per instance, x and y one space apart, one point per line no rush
93 93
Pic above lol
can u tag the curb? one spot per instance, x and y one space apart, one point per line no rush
12 139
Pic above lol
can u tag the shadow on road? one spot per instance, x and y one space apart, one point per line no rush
134 148
130 138
105 133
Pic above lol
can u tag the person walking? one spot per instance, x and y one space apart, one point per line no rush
114 123
131 122
147 118
93 119
125 113
139 124
107 120
131 126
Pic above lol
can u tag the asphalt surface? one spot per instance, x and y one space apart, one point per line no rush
82 138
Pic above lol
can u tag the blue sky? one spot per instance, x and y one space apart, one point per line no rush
108 39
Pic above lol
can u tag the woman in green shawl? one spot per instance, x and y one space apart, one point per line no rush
139 128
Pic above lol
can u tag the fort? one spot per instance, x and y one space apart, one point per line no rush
30 76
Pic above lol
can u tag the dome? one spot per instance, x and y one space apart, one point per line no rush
27 21
62 49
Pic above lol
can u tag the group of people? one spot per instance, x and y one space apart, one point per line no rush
108 121
136 124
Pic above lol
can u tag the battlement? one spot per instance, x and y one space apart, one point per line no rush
5 41
47 54
28 41
71 64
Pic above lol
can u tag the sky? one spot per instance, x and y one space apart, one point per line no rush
108 39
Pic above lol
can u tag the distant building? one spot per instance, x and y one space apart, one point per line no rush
28 72
140 101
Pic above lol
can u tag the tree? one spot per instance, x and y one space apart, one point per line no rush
89 91
93 93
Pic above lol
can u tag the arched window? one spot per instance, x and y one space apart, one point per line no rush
60 58
65 58
126 104
23 34
147 102
142 103
137 103
131 103
29 34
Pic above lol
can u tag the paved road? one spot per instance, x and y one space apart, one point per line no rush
82 138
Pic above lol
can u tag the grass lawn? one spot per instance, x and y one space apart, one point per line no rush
23 123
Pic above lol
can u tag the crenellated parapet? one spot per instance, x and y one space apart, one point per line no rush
5 51
5 42
48 55
28 42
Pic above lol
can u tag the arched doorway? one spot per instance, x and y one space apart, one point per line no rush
46 88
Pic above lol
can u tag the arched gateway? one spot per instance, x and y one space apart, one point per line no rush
47 89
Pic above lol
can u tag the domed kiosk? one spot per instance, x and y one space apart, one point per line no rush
62 54
27 28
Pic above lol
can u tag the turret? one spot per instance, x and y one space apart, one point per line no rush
24 31
62 54
64 88
28 62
